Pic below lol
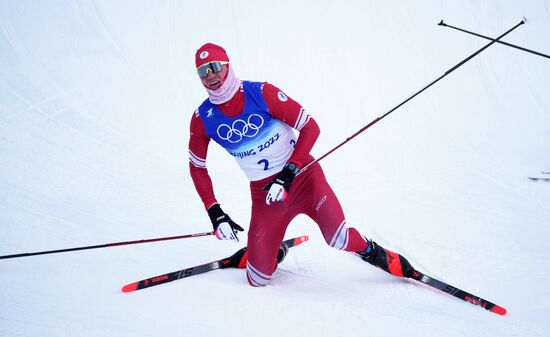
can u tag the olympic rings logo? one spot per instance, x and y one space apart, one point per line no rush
241 128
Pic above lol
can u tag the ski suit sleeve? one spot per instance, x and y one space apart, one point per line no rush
291 112
198 148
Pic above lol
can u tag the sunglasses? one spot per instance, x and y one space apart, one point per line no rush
215 67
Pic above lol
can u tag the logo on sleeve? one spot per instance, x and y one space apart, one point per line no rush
282 97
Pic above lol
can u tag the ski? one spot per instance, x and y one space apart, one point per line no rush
234 261
547 180
458 293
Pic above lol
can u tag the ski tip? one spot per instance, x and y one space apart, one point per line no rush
297 240
130 287
499 310
301 239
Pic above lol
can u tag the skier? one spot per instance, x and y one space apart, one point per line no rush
254 122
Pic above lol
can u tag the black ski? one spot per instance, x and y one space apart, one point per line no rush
546 180
458 293
234 261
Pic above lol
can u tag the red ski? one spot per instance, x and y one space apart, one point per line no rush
234 261
458 293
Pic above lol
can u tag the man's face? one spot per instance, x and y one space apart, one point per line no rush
213 80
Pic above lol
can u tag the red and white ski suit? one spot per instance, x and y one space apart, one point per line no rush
309 194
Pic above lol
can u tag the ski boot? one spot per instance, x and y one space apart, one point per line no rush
283 250
240 258
386 260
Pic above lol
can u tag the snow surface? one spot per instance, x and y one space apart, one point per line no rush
95 102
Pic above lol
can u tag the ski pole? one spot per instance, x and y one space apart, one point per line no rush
411 97
106 245
490 38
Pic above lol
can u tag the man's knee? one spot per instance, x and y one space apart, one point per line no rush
255 277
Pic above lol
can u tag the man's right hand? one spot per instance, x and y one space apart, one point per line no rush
224 227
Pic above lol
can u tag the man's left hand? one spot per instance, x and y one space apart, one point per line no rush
279 186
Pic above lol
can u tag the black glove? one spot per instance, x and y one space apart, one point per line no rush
277 188
284 178
224 227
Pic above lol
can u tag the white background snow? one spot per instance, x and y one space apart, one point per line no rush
95 103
